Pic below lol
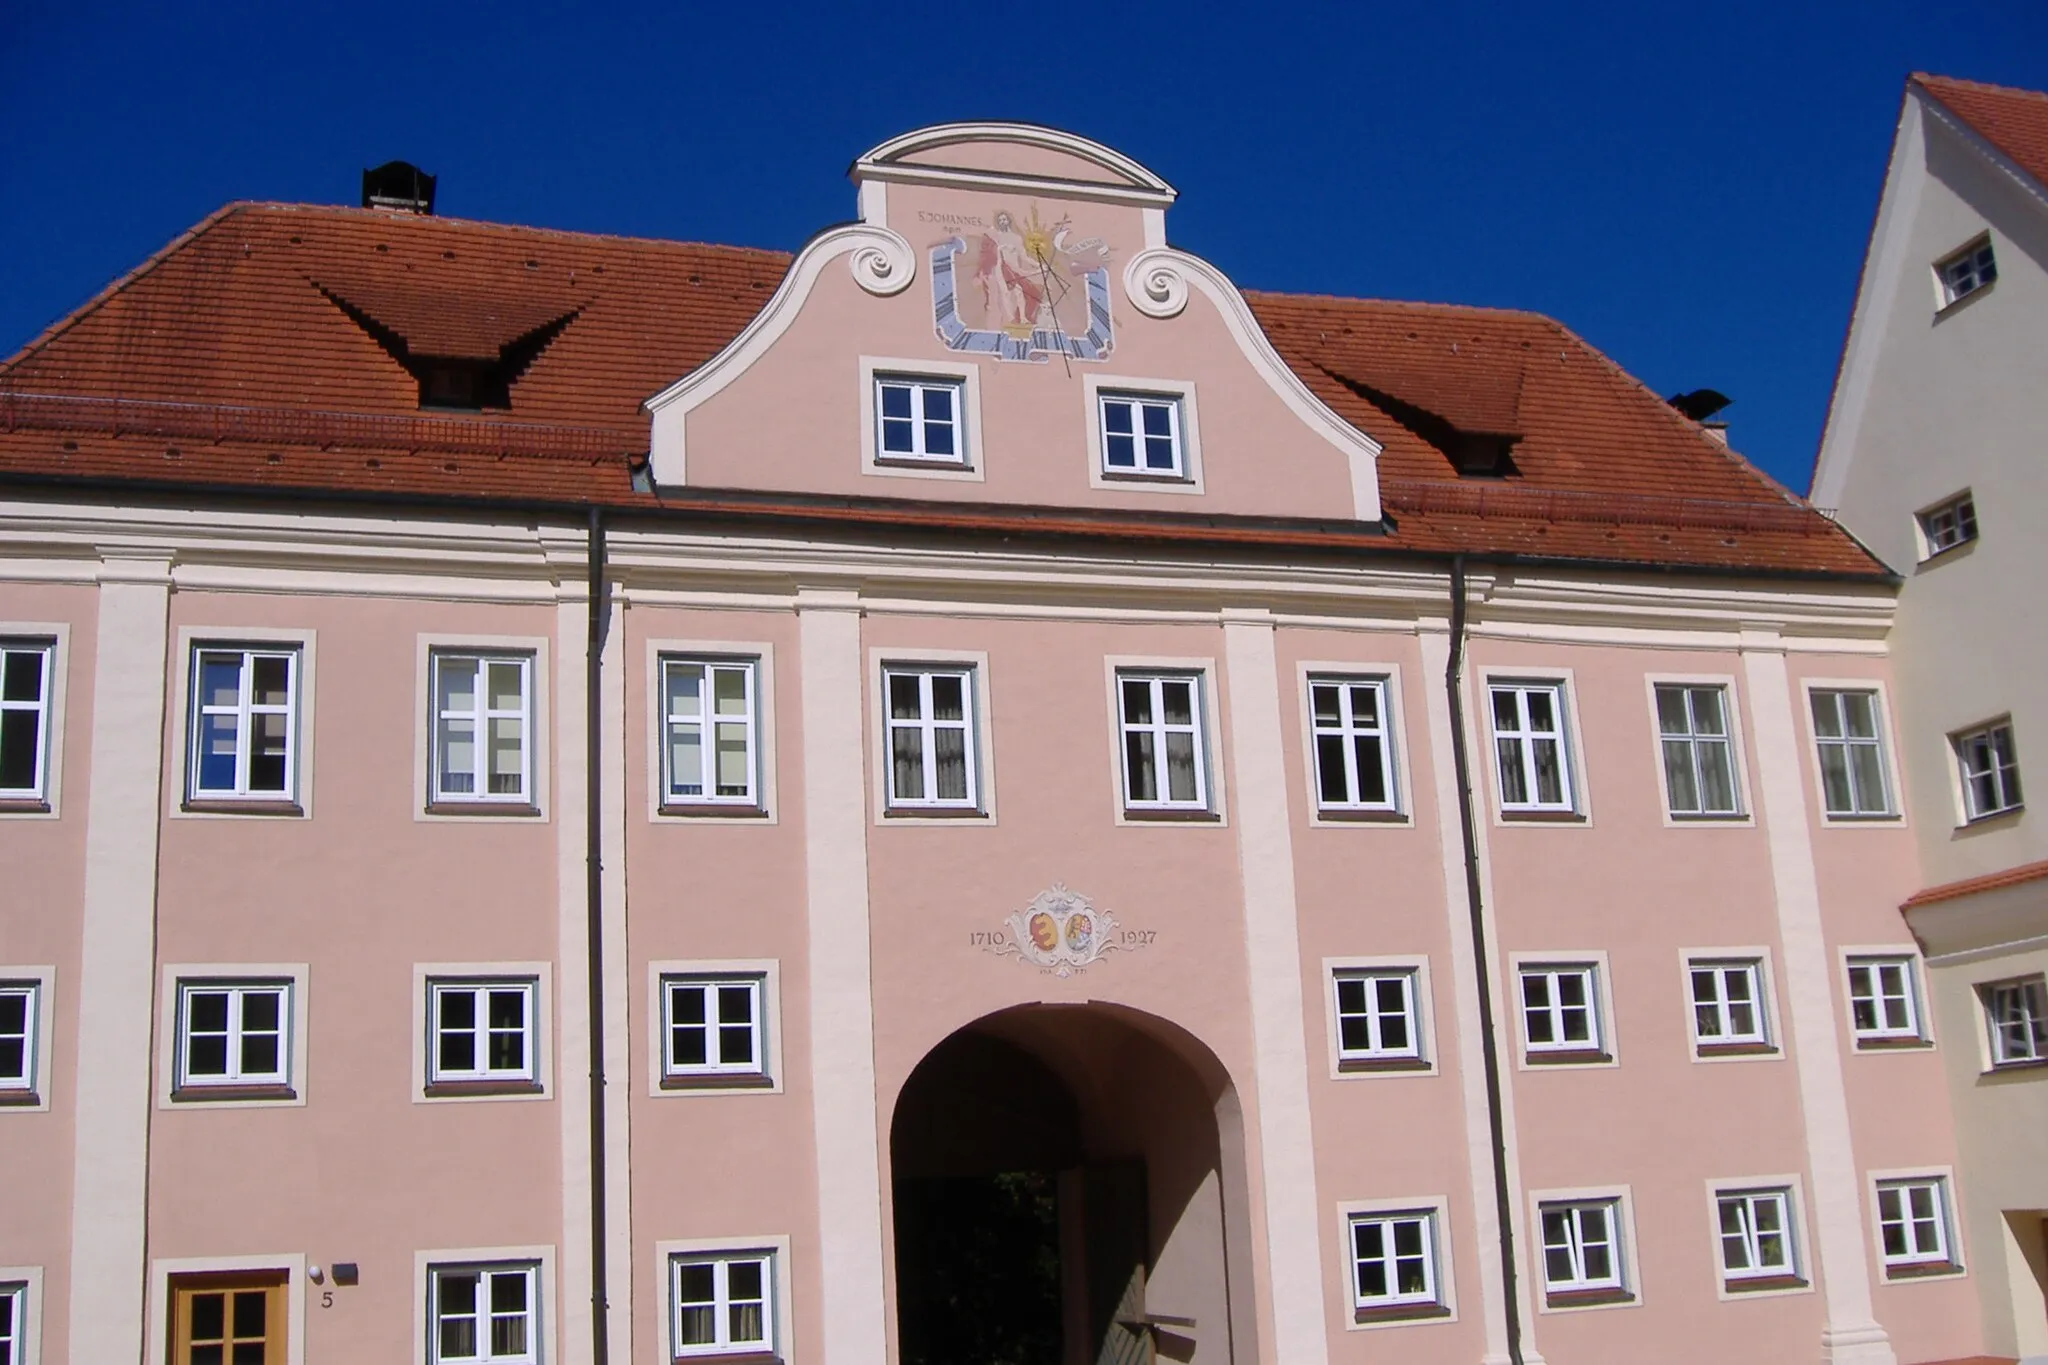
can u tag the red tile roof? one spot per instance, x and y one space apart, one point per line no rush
1972 886
244 355
2013 121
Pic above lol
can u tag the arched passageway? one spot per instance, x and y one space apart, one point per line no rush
1069 1190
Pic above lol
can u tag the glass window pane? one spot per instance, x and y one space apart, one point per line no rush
20 747
1137 701
21 678
1178 701
220 680
270 680
907 763
686 760
458 757
949 747
1679 785
729 691
1372 776
938 404
1116 418
895 400
685 689
508 765
508 685
217 758
457 684
267 757
1140 776
1331 781
1671 714
949 693
735 776
1324 700
905 698
1180 766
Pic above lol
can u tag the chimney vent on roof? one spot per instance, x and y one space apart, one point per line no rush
398 185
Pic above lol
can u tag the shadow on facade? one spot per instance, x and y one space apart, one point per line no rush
1069 1186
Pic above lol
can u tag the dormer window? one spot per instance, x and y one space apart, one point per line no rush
1972 269
460 384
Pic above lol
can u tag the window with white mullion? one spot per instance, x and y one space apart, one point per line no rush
1852 766
930 719
1912 1220
1950 524
24 718
1393 1259
1969 270
2016 1020
482 1030
710 713
1376 1015
713 1026
13 1323
919 419
1529 744
485 1315
1727 1003
722 1303
1161 720
1990 770
483 727
234 1034
1882 1003
244 722
19 1011
1756 1234
1581 1246
1699 755
1560 1011
1141 435
1354 760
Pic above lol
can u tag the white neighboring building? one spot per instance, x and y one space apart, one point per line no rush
1936 456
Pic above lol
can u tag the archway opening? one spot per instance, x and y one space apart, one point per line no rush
1068 1190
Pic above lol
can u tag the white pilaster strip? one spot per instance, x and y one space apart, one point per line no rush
842 1003
1265 844
1851 1332
1435 643
571 767
109 1207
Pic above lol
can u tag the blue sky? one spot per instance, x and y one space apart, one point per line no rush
1688 186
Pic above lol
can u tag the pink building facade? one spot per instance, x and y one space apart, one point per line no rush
1020 811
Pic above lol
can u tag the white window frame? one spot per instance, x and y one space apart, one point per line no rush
238 990
1731 740
36 795
31 1091
1946 1257
432 982
967 379
922 423
430 1266
1759 1281
928 801
721 1303
759 653
1905 963
2004 775
1561 689
176 1091
706 723
1950 286
183 800
2032 992
764 1078
1159 729
1620 1289
775 1248
1957 511
480 715
244 713
1349 731
1599 1051
1419 1058
24 1284
1756 963
426 809
1187 478
1883 739
1395 1308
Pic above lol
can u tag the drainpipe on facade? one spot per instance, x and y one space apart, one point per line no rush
593 834
1461 763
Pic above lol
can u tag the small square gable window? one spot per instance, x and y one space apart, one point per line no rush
1972 269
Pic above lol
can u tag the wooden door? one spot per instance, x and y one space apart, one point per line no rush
228 1319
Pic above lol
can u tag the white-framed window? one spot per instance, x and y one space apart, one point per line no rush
1529 746
245 723
1757 1242
1694 735
1394 1263
723 1302
714 1028
1354 752
1159 716
484 1314
1582 1251
2016 1020
20 1037
1884 1002
1728 1005
1561 1009
482 727
1989 769
1948 524
482 1030
13 1323
710 751
26 669
920 418
929 713
1141 435
1967 271
1914 1228
1377 1015
1848 733
234 1034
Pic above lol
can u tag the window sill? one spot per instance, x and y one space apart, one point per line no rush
448 1090
1709 817
1734 1050
713 810
718 1081
23 805
924 465
19 1099
1861 817
240 805
732 1357
1764 1284
2030 1064
1368 1065
1401 1312
509 808
1992 817
1140 476
1172 815
203 1094
1922 1270
1584 1056
1899 1043
934 813
1587 1298
1370 816
1539 816
1962 301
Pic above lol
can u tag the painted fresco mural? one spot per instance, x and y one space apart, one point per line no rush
1011 285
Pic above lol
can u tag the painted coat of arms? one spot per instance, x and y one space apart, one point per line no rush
1061 933
1021 289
